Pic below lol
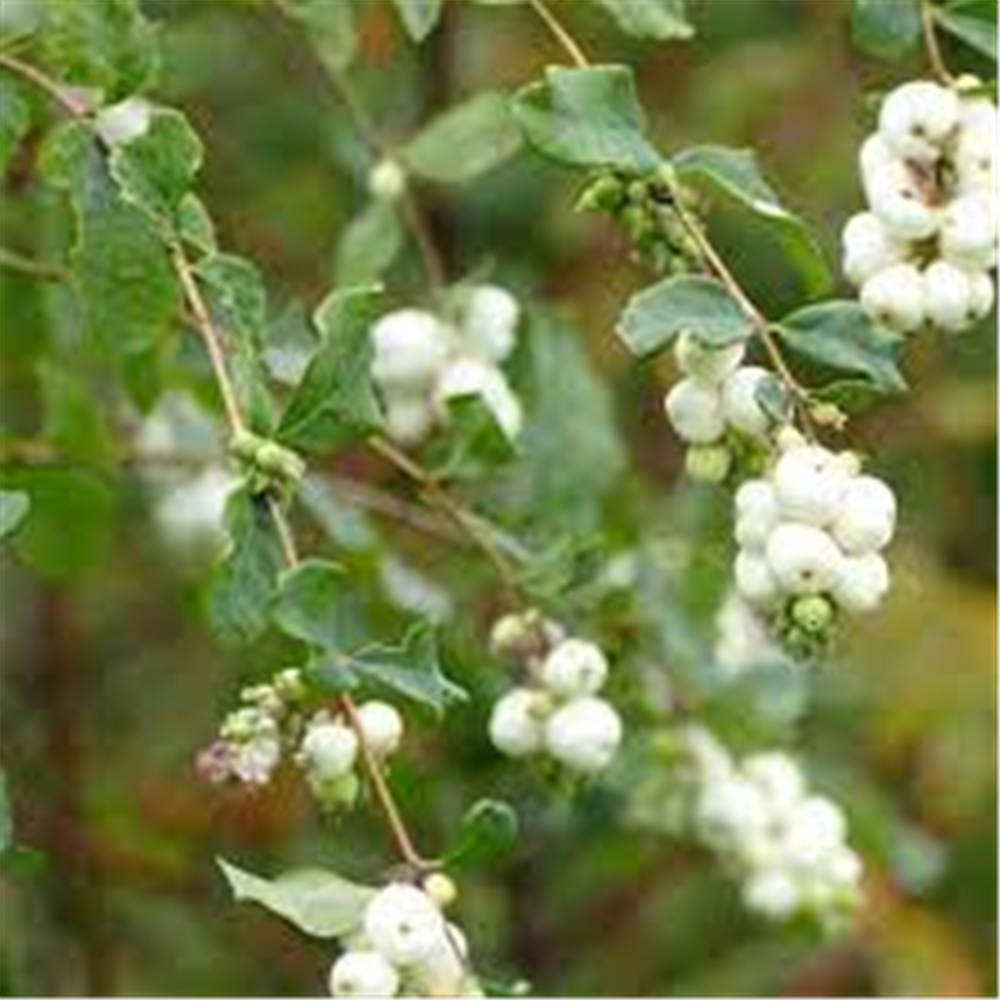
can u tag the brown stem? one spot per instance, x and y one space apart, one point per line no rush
561 34
932 45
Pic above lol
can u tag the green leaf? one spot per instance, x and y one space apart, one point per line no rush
195 226
465 141
155 171
489 828
236 295
586 118
319 903
419 17
74 419
369 245
329 27
735 175
700 306
308 605
244 583
973 22
335 402
411 669
101 43
14 119
841 335
661 20
14 509
128 288
886 29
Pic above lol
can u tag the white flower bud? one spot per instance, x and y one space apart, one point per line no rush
809 483
411 348
804 559
124 122
381 727
363 974
472 377
777 776
895 297
695 412
773 893
866 519
862 583
387 180
489 322
756 514
575 668
584 734
755 582
969 232
517 722
409 418
868 248
947 297
403 925
917 118
329 750
706 364
739 401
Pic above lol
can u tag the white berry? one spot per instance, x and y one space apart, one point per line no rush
917 118
408 418
895 297
947 296
329 750
739 401
773 893
517 723
468 377
695 412
981 294
809 483
804 559
866 519
869 248
124 122
489 322
706 364
411 347
403 925
755 581
363 974
574 668
969 232
387 180
756 513
896 198
862 582
381 727
777 776
584 734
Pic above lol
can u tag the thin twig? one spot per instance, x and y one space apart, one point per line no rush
61 95
11 260
932 45
565 39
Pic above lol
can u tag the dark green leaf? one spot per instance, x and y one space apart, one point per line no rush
74 419
489 828
886 29
329 26
974 23
662 20
700 306
411 669
14 118
155 171
14 509
473 442
101 43
319 903
237 296
244 583
587 118
419 17
735 175
335 402
465 141
369 245
841 335
308 605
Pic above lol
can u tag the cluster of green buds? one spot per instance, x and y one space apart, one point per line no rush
269 467
643 205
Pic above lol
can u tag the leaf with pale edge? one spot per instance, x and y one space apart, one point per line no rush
419 17
587 118
335 403
842 336
488 829
14 508
735 175
464 142
319 903
369 245
702 307
661 20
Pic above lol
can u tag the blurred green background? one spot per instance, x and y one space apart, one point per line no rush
110 681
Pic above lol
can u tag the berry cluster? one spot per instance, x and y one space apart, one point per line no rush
785 844
923 252
273 721
716 409
328 750
423 362
406 947
810 536
558 712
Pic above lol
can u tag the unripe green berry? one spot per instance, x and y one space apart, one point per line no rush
813 613
709 463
